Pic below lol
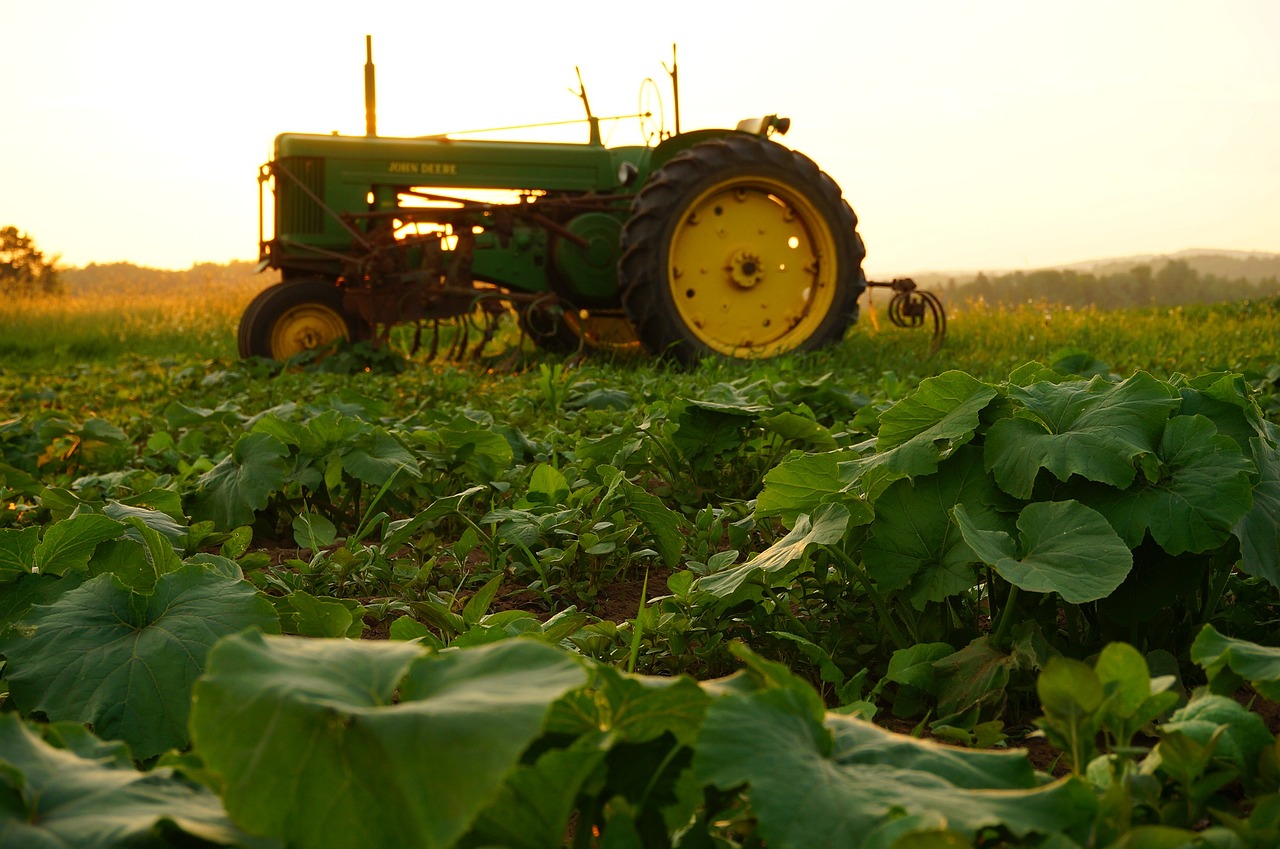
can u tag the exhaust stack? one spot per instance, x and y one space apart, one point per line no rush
370 91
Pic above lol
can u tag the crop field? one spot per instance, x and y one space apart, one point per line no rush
1017 591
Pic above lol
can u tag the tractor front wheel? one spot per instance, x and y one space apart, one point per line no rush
740 247
295 316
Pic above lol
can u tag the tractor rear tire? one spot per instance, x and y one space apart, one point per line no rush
295 316
740 247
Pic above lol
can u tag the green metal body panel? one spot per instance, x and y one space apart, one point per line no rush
320 178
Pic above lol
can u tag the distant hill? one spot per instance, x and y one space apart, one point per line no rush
1252 266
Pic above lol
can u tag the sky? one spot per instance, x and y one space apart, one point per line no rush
978 135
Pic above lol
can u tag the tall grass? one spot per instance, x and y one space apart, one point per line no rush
119 312
111 316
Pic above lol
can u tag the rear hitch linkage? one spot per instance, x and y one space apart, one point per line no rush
910 305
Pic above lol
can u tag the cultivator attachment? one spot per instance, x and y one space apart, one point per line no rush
910 306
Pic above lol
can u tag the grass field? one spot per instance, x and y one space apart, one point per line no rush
120 319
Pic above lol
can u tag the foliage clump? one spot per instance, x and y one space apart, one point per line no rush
24 270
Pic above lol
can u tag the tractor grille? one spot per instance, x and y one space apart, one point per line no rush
298 213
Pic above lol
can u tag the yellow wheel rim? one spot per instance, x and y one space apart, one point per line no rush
752 268
305 328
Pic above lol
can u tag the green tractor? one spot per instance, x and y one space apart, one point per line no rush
704 243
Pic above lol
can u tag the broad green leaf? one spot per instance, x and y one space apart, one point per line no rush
797 428
1096 430
321 617
914 542
914 665
833 785
1259 529
1066 548
635 708
547 487
781 561
477 453
1257 664
70 543
313 531
17 551
26 590
1227 400
932 422
125 662
1243 735
89 796
314 746
232 491
971 680
161 522
376 457
533 806
1202 492
803 482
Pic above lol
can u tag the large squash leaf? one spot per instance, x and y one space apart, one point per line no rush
313 745
914 540
1096 430
1259 529
125 662
242 483
1065 548
88 795
1201 491
842 782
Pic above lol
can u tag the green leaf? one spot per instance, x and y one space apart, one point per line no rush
401 531
17 551
1071 695
832 785
635 708
1259 529
242 483
533 806
932 422
312 745
777 564
70 543
1259 665
914 665
1067 548
323 617
914 540
125 662
89 796
1096 430
803 482
1203 491
662 523
313 531
376 456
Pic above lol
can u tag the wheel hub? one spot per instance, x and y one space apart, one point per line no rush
746 269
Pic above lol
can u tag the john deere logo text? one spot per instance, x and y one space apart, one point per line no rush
439 169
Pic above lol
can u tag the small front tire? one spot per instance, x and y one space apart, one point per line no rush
297 316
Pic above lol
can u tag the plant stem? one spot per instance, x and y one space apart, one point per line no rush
876 600
1006 618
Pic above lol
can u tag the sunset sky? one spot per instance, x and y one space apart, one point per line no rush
990 134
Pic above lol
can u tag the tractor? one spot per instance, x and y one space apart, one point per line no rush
712 242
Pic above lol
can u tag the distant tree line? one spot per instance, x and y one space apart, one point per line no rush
1174 283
